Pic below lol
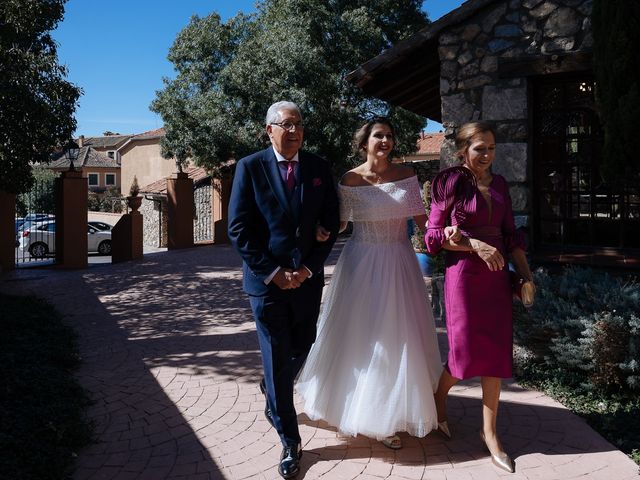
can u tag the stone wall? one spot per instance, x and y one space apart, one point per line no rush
202 223
154 223
471 89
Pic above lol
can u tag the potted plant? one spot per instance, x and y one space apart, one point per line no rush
133 200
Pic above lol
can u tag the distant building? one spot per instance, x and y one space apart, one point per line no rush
101 171
426 159
141 156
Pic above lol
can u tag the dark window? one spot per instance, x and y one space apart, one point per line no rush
94 181
573 204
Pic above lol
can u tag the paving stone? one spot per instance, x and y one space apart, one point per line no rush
173 368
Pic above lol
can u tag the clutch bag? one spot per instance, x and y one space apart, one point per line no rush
523 289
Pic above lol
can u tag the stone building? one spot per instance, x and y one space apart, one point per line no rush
525 65
209 217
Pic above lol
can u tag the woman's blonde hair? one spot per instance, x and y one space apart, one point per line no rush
469 130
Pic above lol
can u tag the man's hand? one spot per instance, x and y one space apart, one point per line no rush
491 256
285 279
322 234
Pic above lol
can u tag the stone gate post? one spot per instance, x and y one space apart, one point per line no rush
180 211
72 192
7 231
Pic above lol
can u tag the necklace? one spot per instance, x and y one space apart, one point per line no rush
377 177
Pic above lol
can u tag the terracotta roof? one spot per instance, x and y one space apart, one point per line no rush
150 135
110 141
87 157
430 143
159 187
158 132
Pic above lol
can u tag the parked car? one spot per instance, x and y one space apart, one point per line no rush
40 240
19 223
38 217
34 218
100 225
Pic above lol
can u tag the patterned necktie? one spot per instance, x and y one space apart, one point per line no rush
290 179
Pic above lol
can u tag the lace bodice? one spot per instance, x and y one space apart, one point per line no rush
379 212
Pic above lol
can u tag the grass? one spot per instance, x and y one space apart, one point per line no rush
41 419
614 415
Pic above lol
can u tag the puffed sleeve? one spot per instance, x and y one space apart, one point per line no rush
513 238
448 194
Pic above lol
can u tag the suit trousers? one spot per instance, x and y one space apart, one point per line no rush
286 325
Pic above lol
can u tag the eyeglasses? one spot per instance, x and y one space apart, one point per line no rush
289 126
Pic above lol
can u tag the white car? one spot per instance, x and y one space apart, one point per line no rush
40 240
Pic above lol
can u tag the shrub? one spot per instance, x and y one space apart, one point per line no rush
107 201
583 331
134 189
42 423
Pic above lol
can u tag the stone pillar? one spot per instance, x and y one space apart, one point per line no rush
72 192
7 231
126 238
180 211
220 194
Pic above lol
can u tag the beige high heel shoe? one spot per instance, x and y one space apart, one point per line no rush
443 429
500 460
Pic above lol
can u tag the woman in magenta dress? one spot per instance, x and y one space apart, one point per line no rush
478 298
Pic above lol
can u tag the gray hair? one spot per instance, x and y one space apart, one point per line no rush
273 114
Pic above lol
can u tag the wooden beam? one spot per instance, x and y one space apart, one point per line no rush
531 65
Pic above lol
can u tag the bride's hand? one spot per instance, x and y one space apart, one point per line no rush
453 233
322 234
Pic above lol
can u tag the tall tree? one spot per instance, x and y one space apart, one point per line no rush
300 50
36 102
616 29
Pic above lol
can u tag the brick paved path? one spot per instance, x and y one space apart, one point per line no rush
171 359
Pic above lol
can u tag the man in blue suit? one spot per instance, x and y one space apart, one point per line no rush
279 197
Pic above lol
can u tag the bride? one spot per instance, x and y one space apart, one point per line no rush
375 364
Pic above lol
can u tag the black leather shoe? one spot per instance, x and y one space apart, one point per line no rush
290 461
267 410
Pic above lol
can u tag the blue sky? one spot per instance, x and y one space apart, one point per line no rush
118 55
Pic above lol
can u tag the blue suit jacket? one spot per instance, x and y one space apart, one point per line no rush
267 232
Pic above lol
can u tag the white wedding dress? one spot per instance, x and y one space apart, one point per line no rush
375 364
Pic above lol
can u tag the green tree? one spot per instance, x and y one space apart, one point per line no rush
36 102
616 30
41 197
228 73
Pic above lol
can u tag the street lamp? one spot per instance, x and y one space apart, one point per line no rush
72 150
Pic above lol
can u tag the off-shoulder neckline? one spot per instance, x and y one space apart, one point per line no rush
395 182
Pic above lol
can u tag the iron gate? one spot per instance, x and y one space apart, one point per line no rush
36 221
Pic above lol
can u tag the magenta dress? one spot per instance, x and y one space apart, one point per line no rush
478 302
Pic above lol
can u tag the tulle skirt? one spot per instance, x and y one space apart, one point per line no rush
375 364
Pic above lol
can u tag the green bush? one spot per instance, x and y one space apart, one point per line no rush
584 330
108 201
579 343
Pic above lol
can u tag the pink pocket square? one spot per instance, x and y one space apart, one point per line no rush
317 182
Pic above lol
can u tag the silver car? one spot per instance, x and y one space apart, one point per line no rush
40 240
